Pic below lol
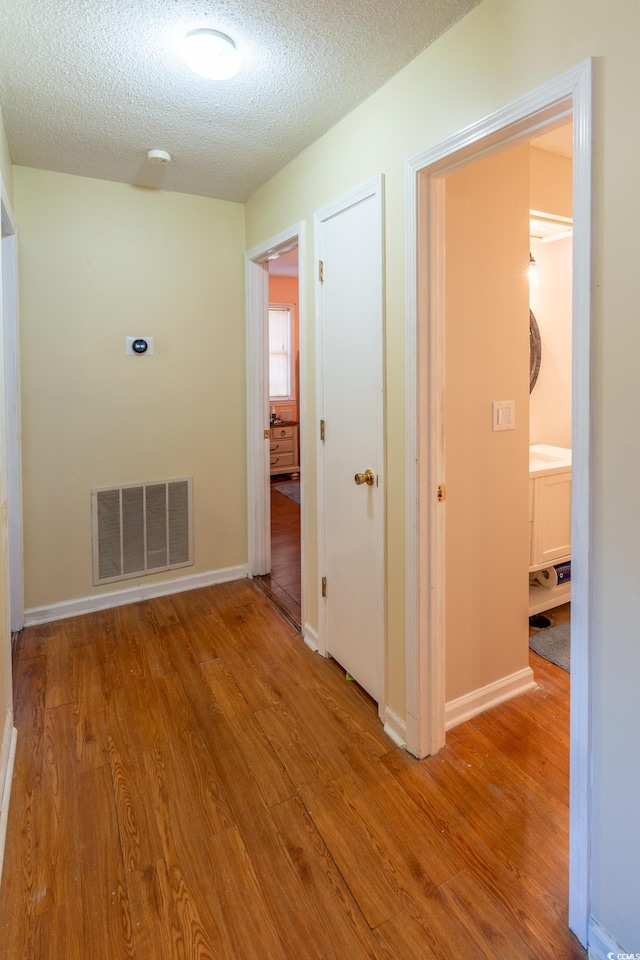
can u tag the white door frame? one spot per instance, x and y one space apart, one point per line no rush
257 312
569 94
372 188
9 334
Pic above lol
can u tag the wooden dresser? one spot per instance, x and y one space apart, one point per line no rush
284 449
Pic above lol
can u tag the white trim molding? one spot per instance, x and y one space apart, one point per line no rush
602 946
463 708
310 637
395 727
120 598
7 759
566 97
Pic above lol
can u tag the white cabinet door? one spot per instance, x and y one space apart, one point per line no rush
552 538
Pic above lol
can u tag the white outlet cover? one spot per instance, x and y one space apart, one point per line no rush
130 352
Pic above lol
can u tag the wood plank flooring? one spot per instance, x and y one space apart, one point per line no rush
192 783
283 584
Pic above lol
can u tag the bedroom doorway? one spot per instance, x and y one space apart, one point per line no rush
283 581
275 408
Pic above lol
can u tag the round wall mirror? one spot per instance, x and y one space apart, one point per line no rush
535 350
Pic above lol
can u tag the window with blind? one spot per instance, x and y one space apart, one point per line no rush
280 352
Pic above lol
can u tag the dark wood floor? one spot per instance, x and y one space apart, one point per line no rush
283 584
192 782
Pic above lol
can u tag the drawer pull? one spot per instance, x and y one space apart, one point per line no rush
276 446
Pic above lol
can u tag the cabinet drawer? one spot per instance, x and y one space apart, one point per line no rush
282 446
282 459
280 433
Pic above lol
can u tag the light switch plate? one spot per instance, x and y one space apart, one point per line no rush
503 415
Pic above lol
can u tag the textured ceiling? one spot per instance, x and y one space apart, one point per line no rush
286 265
558 141
88 86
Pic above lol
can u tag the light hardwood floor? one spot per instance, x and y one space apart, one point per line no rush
192 782
283 584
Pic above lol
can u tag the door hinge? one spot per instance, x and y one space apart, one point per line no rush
321 271
324 586
442 493
322 429
267 434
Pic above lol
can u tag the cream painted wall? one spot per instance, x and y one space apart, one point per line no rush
499 51
550 402
100 261
551 182
486 359
6 167
6 170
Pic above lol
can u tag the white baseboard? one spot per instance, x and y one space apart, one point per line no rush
7 758
395 727
119 598
602 945
310 637
467 706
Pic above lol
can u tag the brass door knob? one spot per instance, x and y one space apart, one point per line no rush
367 477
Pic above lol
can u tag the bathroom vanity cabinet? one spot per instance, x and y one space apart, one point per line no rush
549 521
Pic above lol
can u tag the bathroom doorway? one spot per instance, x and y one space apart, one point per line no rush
429 497
550 440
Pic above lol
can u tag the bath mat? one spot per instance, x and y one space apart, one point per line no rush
553 645
289 490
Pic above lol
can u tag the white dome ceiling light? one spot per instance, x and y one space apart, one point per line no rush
211 54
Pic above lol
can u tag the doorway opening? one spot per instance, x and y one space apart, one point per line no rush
506 418
566 98
550 443
283 582
275 405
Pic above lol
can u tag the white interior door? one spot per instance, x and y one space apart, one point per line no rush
349 244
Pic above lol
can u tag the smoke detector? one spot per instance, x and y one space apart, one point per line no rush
158 156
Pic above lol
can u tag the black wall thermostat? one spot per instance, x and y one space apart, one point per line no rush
138 346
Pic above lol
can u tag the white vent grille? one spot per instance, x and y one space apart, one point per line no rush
141 528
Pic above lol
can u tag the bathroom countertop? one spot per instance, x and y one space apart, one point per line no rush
545 460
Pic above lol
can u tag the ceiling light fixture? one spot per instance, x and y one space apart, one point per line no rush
211 54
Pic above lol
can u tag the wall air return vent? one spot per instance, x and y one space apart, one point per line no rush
141 528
